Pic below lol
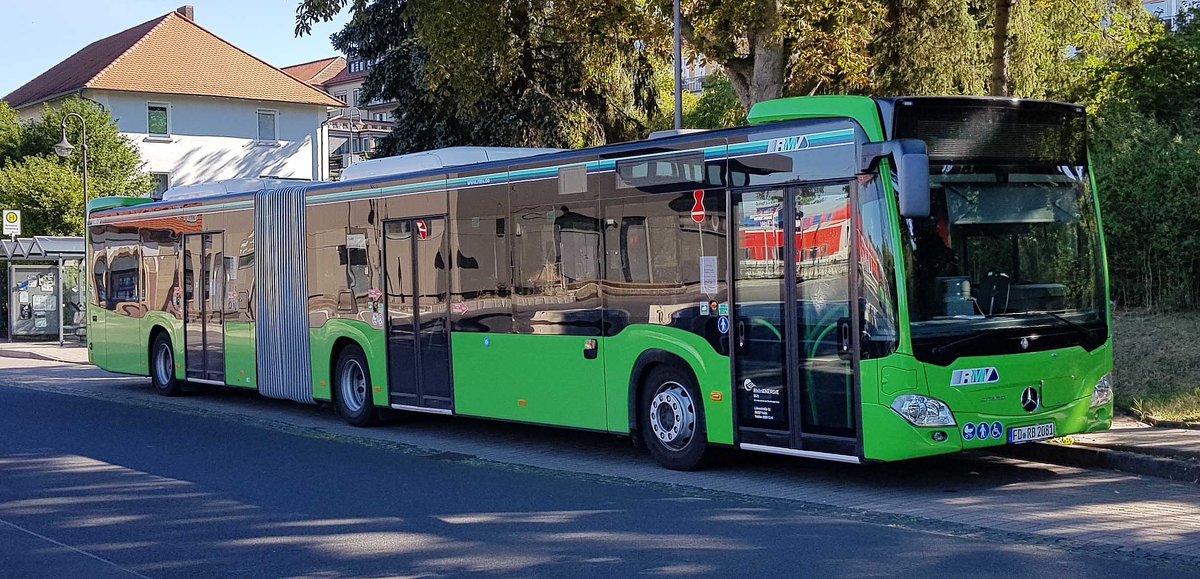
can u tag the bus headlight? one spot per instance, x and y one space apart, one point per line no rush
923 410
1103 393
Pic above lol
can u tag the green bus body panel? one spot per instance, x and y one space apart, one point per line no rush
102 203
543 379
712 370
373 343
240 362
127 350
96 336
862 109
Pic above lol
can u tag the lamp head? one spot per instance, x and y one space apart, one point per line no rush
64 148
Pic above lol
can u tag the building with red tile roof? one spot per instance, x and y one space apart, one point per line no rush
197 107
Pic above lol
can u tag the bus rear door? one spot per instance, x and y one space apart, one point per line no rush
203 307
416 270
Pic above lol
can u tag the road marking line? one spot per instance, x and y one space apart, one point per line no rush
76 549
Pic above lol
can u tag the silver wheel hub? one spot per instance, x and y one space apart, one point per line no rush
673 415
353 386
164 363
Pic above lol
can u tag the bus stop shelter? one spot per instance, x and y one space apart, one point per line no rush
42 292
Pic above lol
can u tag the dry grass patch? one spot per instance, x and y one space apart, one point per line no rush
1157 364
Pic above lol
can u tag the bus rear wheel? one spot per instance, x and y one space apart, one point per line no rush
162 366
672 421
352 388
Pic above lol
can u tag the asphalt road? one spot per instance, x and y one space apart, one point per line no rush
98 488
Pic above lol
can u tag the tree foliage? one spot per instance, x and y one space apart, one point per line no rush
48 193
49 190
1146 149
772 48
514 72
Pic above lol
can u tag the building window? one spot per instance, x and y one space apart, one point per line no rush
162 182
341 96
357 94
266 126
158 119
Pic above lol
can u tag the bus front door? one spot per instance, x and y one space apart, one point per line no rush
793 368
416 270
204 307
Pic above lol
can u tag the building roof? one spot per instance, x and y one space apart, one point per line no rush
168 55
318 71
345 76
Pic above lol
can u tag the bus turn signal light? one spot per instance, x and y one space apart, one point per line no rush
717 396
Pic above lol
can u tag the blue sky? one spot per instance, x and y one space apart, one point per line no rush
38 35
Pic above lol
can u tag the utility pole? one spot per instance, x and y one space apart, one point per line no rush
678 71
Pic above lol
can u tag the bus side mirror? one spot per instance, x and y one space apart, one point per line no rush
911 161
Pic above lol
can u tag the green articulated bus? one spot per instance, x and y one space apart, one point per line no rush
846 278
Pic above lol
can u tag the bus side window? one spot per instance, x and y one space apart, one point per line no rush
99 269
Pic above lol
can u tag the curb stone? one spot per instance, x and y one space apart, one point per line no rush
1170 423
1096 457
37 356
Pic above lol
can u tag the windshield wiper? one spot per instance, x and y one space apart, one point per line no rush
939 350
1078 327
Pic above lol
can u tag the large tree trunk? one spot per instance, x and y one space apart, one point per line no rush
1001 39
760 76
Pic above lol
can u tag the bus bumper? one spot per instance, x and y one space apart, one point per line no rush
890 437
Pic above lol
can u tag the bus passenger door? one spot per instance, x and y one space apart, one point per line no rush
204 307
417 288
793 350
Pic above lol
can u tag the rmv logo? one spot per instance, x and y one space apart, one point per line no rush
789 144
974 376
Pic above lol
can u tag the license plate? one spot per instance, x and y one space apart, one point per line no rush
1031 433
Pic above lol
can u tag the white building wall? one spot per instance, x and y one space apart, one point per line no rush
217 138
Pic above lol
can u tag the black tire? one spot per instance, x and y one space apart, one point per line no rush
162 366
352 388
673 425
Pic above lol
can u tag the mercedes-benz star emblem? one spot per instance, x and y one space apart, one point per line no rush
1024 343
1031 400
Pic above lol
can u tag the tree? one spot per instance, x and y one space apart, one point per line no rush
717 107
929 47
49 190
114 164
10 133
1145 144
48 193
1001 40
535 72
769 48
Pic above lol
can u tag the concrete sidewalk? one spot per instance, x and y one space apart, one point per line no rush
1130 446
71 353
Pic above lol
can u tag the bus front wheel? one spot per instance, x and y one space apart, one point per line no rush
352 388
672 421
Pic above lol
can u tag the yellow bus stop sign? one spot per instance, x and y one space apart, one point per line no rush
12 222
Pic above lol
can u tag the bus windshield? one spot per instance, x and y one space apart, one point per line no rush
1009 259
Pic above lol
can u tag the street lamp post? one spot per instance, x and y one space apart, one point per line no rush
63 149
678 71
